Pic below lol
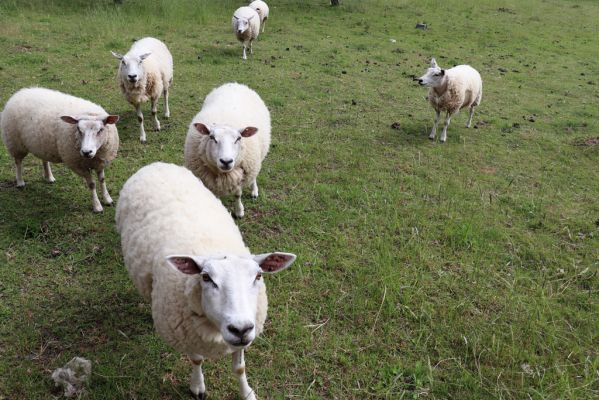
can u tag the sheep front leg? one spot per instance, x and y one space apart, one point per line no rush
254 188
105 194
155 113
239 369
19 172
196 385
238 212
251 48
434 130
167 112
140 118
444 133
470 119
245 57
92 188
48 172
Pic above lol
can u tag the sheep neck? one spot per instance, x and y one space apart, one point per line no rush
442 88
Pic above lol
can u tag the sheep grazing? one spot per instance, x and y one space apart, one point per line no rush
262 10
146 72
450 91
246 26
185 254
228 140
57 127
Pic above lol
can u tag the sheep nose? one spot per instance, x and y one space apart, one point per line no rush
240 332
132 77
86 153
225 163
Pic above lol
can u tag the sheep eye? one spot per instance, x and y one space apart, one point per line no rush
208 279
213 139
100 131
259 276
238 139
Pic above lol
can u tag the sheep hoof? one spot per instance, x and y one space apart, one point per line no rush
143 141
199 396
21 185
98 210
254 196
442 140
431 138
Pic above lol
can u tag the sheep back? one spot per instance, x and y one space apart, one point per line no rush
464 88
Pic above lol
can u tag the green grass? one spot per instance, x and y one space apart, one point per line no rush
466 270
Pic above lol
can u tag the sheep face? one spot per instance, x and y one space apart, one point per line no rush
131 67
241 24
224 144
433 77
91 132
230 286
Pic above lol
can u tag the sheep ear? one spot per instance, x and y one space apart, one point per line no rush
433 63
249 131
185 264
117 55
144 56
111 119
274 262
69 120
236 18
203 129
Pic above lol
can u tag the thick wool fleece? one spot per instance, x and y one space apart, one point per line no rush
158 68
31 124
253 31
463 87
261 8
164 210
237 106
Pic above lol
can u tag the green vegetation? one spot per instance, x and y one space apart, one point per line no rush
466 270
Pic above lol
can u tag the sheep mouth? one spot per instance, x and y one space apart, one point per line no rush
226 169
240 343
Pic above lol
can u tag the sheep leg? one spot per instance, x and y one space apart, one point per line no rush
140 118
239 212
155 113
245 57
48 172
444 133
239 369
167 112
196 385
470 119
434 130
19 172
263 25
251 48
105 194
254 188
92 188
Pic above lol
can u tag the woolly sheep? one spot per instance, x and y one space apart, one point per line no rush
262 9
185 254
450 91
57 127
228 140
246 26
144 73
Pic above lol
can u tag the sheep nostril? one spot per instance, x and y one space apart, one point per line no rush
131 76
240 332
226 163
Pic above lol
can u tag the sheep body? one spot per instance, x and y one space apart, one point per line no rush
150 61
262 9
246 26
31 123
235 106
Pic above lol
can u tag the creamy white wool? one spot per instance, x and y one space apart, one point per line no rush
237 106
253 30
464 89
163 210
262 9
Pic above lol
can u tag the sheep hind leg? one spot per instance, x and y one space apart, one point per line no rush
19 172
471 115
91 185
140 119
444 133
196 385
254 189
434 130
263 25
167 111
238 212
48 172
105 194
251 47
155 114
245 390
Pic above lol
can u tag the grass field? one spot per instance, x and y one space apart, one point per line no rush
466 270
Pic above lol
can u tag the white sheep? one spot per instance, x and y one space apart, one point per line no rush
450 91
184 252
57 127
246 26
144 73
262 9
228 140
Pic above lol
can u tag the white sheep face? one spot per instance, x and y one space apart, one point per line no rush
433 77
230 287
224 144
131 68
91 132
241 24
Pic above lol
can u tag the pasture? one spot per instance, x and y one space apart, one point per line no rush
464 270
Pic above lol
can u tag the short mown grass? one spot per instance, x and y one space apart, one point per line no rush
466 270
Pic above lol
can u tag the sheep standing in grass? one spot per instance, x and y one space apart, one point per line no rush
146 72
57 127
246 25
185 254
228 140
262 10
450 91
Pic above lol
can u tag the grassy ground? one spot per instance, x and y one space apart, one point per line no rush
466 270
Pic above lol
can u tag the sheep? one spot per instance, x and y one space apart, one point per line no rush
262 9
144 73
228 140
185 254
57 127
450 91
246 26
